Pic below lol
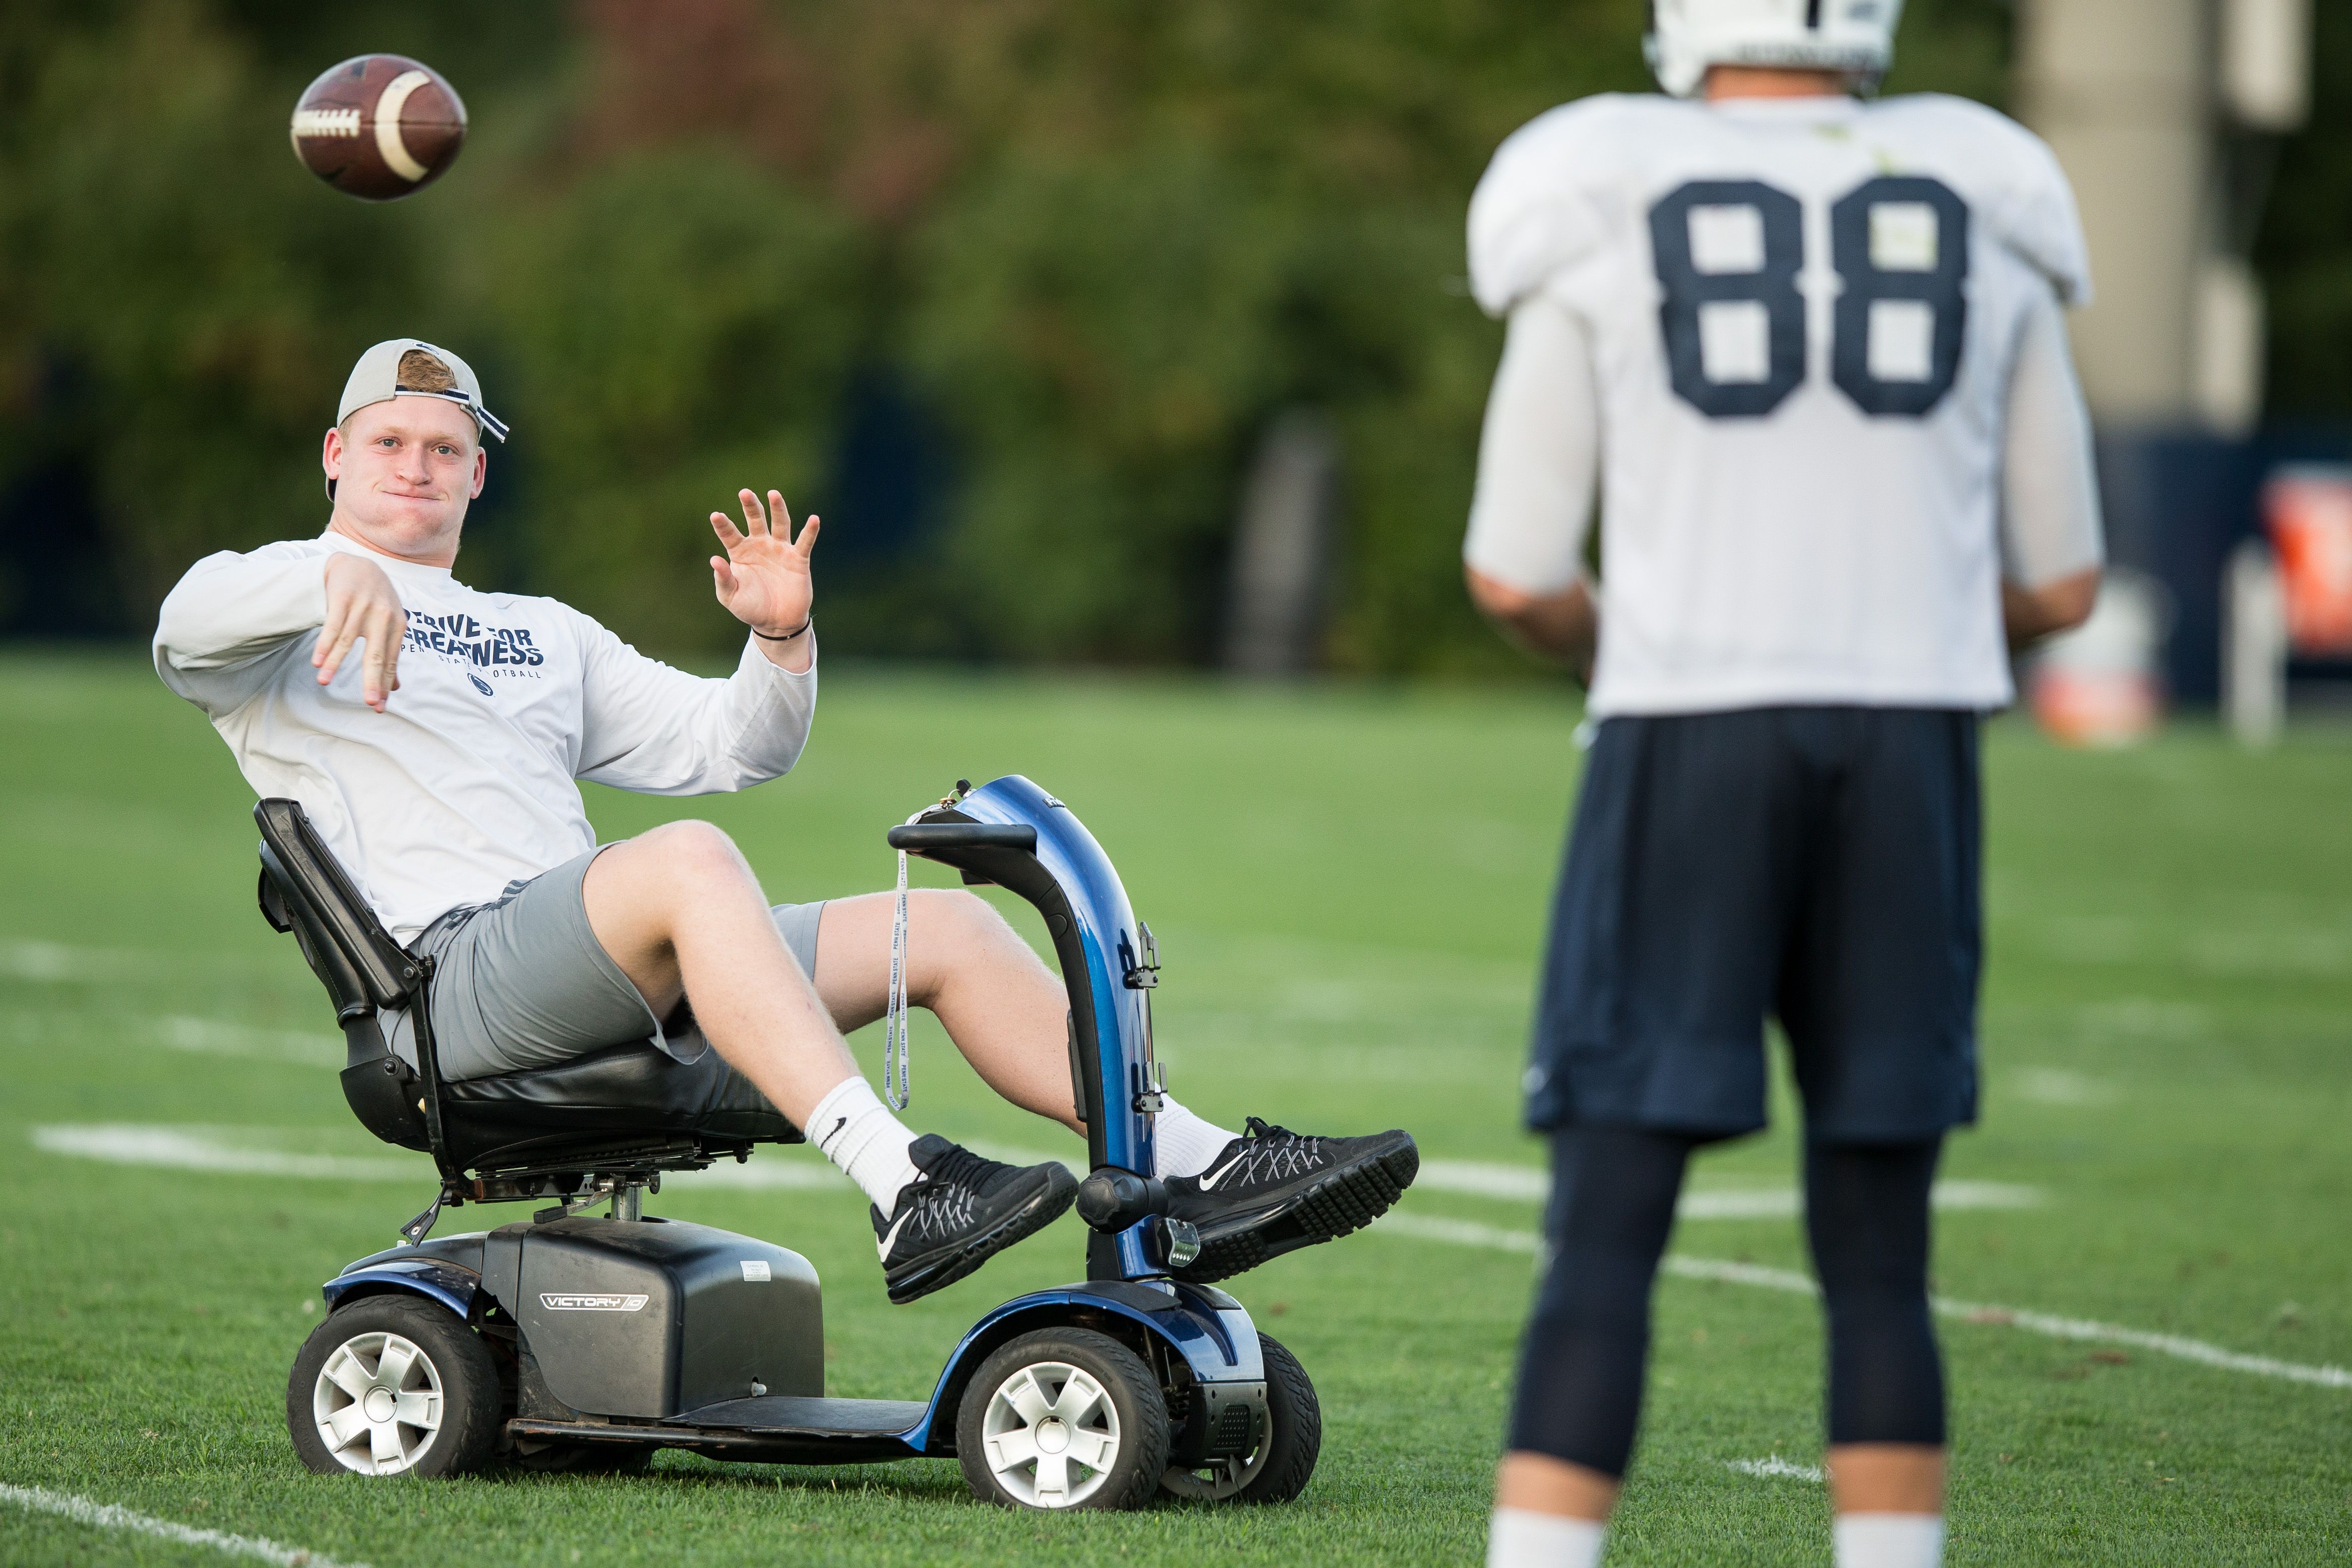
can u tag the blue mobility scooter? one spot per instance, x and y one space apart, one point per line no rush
585 1342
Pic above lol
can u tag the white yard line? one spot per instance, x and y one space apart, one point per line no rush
1785 1203
761 1172
107 1516
1725 1272
1950 1195
179 1032
1012 1154
1755 1203
51 961
212 1038
1476 1179
1472 1178
2141 1339
27 958
2060 1085
1463 1233
1775 1468
197 1148
233 1151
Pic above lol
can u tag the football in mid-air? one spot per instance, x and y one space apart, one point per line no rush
379 126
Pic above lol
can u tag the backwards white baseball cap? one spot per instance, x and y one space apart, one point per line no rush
376 379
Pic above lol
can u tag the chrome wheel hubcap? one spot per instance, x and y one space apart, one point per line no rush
1051 1434
377 1404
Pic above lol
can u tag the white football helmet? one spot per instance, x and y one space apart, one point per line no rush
1688 35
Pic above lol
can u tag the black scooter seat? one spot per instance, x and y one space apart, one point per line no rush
628 1107
622 1089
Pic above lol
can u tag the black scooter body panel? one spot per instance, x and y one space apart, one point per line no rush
650 1319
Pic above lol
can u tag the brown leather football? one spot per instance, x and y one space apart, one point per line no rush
379 126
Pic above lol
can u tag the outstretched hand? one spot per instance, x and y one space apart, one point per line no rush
763 579
361 605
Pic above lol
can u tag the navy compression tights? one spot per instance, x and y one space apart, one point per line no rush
1614 1191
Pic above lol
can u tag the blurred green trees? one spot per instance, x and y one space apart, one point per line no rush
1103 245
2303 251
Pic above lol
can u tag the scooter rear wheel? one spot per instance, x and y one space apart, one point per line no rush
393 1386
1063 1418
1278 1469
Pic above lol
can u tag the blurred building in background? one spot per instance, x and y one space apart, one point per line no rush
2171 118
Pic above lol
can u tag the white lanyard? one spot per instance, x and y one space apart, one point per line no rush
896 1022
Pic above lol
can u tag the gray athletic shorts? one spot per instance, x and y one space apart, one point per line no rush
523 983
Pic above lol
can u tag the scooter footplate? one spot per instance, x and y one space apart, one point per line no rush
800 1415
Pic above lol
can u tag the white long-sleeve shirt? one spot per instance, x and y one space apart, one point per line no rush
465 783
1809 356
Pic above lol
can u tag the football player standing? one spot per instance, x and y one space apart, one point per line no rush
1804 351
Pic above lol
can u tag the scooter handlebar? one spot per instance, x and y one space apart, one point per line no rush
918 838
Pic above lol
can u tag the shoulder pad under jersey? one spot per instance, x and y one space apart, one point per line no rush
2022 194
1542 204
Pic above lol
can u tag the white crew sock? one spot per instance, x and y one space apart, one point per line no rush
1181 1143
856 1131
1522 1538
1890 1540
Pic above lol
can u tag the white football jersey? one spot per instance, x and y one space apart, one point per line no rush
1803 316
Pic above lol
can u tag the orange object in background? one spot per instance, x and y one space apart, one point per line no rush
2307 512
2097 686
2095 708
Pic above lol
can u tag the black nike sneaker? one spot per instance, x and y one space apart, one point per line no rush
1272 1191
961 1211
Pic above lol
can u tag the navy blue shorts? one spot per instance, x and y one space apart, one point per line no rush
1817 865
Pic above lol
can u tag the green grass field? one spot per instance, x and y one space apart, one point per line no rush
1349 886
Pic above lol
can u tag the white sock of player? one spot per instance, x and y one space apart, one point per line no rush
1522 1538
1182 1144
1890 1540
856 1131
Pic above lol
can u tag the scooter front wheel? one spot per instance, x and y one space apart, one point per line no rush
1278 1469
1063 1418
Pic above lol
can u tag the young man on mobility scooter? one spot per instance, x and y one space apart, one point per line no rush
442 782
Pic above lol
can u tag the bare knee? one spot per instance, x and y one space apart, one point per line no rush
954 911
695 859
694 846
955 928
